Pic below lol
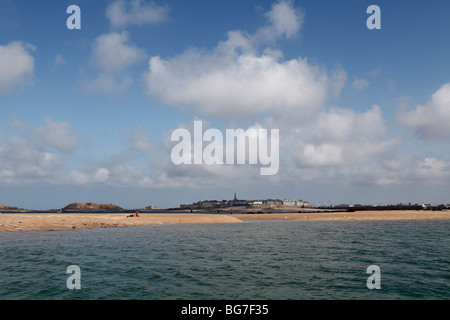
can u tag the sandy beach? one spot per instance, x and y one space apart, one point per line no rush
350 216
54 221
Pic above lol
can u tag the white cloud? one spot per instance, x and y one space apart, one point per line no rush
23 162
137 12
16 65
237 86
207 176
114 52
338 80
109 173
430 121
77 178
158 171
241 78
360 84
59 135
340 137
36 154
284 21
341 147
101 175
112 56
383 170
403 170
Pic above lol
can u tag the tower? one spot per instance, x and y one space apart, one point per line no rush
235 199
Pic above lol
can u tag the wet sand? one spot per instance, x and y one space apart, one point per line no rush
53 221
350 216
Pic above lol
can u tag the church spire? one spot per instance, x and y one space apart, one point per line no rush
235 199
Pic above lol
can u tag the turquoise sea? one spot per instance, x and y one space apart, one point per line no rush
275 260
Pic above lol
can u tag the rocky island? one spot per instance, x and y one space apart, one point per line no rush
8 208
92 207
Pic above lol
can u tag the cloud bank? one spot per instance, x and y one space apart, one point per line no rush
36 155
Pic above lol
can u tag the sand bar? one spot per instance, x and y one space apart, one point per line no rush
53 221
351 216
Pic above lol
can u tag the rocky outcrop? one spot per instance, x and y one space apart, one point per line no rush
7 208
91 207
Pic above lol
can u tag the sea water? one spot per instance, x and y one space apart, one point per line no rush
277 260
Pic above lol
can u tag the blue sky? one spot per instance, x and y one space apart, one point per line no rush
86 115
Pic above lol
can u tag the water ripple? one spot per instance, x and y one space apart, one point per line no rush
254 260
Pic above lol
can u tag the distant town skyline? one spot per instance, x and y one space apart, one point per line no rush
86 115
